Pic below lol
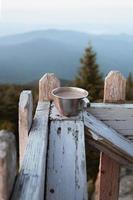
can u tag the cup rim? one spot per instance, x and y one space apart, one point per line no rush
54 94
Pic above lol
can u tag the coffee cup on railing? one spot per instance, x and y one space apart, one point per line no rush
70 100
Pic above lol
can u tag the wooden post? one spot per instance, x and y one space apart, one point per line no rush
46 84
25 120
30 182
115 88
66 161
7 164
108 187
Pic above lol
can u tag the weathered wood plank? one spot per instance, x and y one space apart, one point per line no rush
31 178
117 116
129 137
66 170
114 92
112 106
114 88
8 164
108 150
110 193
25 120
46 84
103 133
110 112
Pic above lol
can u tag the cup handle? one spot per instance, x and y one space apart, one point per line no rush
85 103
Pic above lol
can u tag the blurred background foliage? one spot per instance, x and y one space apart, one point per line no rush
9 98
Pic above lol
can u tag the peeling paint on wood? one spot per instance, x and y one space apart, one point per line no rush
31 178
105 147
117 116
66 170
109 136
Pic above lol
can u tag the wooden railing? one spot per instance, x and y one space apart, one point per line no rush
52 163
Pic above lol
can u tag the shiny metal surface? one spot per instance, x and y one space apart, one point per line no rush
70 100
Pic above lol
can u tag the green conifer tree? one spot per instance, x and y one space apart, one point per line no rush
130 87
89 76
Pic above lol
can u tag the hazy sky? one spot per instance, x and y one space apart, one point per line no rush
66 12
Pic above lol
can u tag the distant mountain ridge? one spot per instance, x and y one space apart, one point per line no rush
26 57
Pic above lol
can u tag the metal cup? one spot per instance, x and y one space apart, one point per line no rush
70 100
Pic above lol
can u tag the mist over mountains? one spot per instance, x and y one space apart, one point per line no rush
26 57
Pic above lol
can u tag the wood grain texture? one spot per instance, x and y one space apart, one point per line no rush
31 178
104 134
114 88
25 120
109 178
108 150
8 164
116 116
114 92
66 170
46 84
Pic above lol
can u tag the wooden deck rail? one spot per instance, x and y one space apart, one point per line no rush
114 92
52 147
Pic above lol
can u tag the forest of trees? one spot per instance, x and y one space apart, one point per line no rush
88 77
